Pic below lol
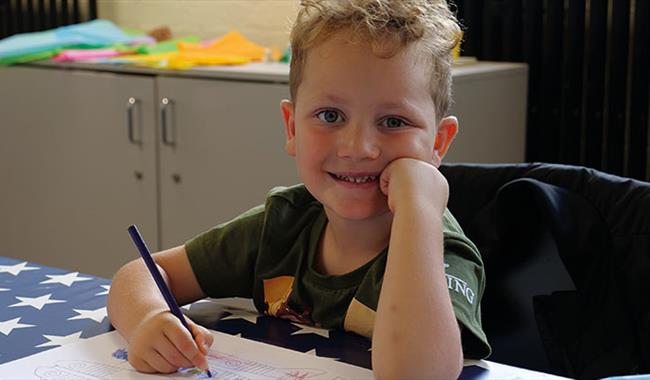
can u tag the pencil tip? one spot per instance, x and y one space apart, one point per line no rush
209 373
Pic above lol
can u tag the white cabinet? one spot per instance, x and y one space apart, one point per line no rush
87 150
224 152
70 180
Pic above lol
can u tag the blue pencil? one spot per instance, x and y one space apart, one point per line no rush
155 273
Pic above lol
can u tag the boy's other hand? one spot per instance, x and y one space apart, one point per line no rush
160 343
407 181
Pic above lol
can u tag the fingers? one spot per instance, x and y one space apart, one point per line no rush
163 345
202 337
172 354
154 362
193 350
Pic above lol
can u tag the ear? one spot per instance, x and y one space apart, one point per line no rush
447 130
289 126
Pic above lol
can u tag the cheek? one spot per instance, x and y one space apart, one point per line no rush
311 145
418 147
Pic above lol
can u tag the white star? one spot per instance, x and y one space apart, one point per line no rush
4 290
16 269
313 353
56 340
7 326
304 329
65 279
106 289
96 315
241 314
36 302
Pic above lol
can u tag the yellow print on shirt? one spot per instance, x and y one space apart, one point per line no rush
276 295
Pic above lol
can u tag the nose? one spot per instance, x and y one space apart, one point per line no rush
358 141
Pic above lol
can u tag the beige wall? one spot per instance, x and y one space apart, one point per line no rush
265 22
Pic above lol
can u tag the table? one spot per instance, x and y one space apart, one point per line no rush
43 307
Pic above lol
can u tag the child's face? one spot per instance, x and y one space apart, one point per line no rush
354 114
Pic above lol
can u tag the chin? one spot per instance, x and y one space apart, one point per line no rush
358 212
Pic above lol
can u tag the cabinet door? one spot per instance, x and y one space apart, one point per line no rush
490 103
72 181
224 151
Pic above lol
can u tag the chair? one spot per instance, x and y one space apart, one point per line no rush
566 251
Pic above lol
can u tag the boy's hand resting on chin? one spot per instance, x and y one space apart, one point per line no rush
407 181
160 343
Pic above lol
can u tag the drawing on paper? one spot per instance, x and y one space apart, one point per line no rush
227 364
222 365
104 357
76 369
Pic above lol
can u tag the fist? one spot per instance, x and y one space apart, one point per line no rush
415 183
160 343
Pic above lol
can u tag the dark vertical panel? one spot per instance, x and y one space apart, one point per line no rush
551 87
638 158
573 42
18 12
42 21
92 9
511 31
65 19
615 93
11 18
532 52
30 16
595 33
54 21
4 18
473 21
491 33
76 14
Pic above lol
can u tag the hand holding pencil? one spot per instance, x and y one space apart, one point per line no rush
165 341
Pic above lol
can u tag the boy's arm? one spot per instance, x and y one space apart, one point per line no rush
158 342
415 334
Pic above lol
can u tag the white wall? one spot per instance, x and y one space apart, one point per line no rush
266 22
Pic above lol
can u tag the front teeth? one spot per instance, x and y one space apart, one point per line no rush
364 179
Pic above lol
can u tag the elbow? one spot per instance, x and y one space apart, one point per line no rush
444 364
119 284
449 371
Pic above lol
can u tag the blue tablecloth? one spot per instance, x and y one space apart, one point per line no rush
42 308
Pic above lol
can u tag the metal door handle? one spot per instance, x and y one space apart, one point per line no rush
130 105
167 137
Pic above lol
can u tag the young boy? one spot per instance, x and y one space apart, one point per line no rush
366 244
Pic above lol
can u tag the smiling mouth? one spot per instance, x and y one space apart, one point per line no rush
355 179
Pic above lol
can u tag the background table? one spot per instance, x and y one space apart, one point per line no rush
43 307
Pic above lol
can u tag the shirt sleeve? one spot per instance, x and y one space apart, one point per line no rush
465 278
223 258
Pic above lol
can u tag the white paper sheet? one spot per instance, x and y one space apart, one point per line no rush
230 357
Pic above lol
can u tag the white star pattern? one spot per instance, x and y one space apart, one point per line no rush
35 302
313 353
4 290
241 314
16 269
97 315
304 329
6 327
56 340
106 289
65 279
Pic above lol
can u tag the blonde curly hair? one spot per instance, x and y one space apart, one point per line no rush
389 26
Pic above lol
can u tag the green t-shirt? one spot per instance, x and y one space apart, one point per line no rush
267 254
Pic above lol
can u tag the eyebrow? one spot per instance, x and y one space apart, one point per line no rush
390 104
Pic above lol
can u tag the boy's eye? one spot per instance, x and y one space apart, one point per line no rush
328 116
393 122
